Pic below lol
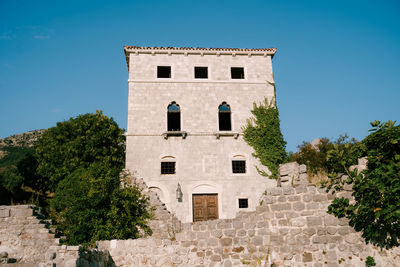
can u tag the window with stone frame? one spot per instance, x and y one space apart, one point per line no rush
224 117
237 73
163 71
243 203
238 166
168 167
200 72
173 117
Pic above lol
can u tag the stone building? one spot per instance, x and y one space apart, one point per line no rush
186 110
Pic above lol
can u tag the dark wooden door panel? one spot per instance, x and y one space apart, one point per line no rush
205 207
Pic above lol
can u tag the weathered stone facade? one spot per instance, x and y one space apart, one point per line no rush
290 227
202 153
26 240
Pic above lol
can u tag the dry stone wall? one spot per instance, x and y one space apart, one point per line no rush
26 240
290 228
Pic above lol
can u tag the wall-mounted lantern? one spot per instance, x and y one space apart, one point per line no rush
179 193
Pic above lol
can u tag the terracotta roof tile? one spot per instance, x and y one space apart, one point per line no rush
202 49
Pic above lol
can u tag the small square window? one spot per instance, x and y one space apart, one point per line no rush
237 73
200 72
163 71
243 203
168 167
238 166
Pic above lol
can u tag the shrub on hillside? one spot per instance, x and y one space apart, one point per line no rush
329 157
376 191
81 160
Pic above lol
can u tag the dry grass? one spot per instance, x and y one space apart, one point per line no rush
317 179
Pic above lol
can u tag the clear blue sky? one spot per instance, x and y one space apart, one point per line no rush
337 67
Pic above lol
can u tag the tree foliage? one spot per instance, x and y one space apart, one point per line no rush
77 143
90 205
80 160
263 133
329 157
376 190
18 179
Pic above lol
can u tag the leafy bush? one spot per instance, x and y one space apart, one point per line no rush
81 160
18 180
78 143
376 209
90 205
329 157
370 261
263 133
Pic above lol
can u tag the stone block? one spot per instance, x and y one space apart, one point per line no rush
229 232
298 206
307 197
314 221
320 198
21 212
268 200
343 230
257 241
331 230
310 231
202 235
228 263
352 238
216 258
4 213
312 206
294 198
335 239
288 168
307 257
291 214
283 222
281 206
302 168
275 191
212 242
226 241
281 199
331 220
288 190
320 239
301 189
303 239
298 222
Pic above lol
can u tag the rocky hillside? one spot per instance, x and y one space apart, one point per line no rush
19 140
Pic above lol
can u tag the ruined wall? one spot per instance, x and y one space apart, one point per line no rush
26 240
290 228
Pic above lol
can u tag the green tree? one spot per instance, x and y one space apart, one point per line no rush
376 190
90 205
263 133
329 157
77 143
17 176
81 161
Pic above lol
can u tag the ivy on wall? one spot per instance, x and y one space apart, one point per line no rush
263 133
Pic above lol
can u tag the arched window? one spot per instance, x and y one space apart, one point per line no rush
224 117
174 117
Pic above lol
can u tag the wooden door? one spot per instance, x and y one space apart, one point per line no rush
205 207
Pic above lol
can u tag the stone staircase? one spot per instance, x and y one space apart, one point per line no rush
27 239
